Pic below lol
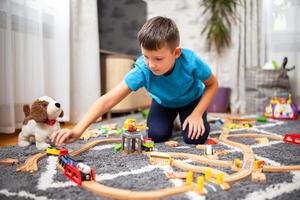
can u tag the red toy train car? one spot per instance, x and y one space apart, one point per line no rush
292 138
76 171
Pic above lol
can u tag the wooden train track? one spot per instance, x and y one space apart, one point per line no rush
244 172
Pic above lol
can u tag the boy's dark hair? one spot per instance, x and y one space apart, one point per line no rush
157 32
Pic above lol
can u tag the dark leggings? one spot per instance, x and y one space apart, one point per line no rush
161 120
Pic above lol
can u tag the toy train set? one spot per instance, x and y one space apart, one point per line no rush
75 170
135 141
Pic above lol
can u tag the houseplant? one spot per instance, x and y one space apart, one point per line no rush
221 16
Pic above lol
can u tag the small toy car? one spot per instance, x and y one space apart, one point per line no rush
292 138
147 144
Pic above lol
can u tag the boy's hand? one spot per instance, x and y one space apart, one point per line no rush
63 136
196 126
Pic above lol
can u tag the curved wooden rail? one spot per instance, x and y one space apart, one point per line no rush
283 168
9 161
245 171
121 193
31 163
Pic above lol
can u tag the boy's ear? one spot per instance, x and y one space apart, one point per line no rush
177 52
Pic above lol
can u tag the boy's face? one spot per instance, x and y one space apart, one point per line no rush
162 60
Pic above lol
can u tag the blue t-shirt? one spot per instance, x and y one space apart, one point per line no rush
182 86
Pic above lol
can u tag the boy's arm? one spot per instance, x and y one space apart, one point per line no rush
211 87
196 127
102 105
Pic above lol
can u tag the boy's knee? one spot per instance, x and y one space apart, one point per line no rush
201 140
158 134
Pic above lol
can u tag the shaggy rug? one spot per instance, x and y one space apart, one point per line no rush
134 171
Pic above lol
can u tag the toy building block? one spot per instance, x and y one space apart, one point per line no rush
209 149
189 178
258 164
292 138
219 178
261 119
237 162
236 165
212 141
133 142
258 176
207 174
263 140
171 143
9 161
200 184
118 147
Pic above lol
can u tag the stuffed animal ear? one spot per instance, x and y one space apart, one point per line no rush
39 111
61 114
26 110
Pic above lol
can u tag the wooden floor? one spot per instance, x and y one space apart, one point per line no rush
12 139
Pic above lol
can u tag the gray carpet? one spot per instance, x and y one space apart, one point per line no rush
134 171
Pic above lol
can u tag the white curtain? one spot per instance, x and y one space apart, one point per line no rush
247 51
34 56
282 33
85 67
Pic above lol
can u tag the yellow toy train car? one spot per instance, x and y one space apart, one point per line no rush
56 151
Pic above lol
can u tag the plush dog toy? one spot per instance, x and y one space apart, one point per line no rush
40 122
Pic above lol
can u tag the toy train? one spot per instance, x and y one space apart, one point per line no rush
147 144
76 171
56 151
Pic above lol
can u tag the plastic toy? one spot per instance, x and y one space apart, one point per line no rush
200 184
131 142
207 174
281 107
209 149
76 171
118 147
219 178
130 125
189 178
147 144
173 159
56 151
261 119
292 138
211 141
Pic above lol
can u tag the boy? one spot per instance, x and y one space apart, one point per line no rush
175 79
